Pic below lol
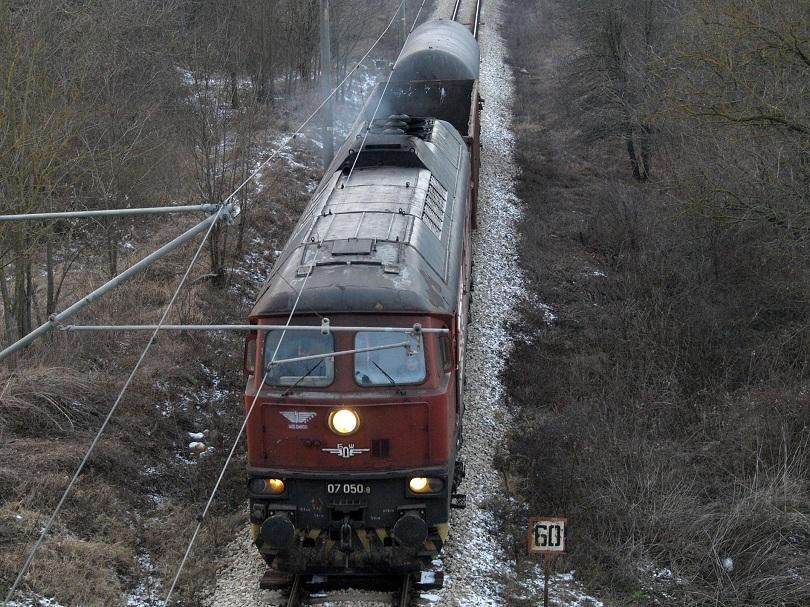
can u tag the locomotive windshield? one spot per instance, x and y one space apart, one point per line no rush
391 366
295 344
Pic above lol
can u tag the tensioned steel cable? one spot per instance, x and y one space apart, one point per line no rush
368 126
419 12
201 518
315 111
103 427
289 319
376 109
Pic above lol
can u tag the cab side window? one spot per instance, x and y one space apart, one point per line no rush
396 365
445 357
283 345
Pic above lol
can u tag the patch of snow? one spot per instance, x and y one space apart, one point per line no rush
158 500
34 601
148 591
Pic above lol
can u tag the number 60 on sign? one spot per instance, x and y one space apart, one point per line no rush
547 535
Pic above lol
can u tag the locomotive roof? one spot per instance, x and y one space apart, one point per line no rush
385 238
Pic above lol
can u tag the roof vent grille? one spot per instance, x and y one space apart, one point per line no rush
435 204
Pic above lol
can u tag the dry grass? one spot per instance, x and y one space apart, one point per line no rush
665 410
142 489
42 399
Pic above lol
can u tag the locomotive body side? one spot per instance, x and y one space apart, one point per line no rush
385 242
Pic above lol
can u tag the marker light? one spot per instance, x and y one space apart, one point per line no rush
420 484
273 486
344 421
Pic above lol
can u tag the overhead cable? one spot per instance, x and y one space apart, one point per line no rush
103 427
56 319
377 109
201 517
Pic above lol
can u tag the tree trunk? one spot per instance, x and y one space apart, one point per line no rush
216 255
8 306
50 302
645 150
29 295
631 153
112 249
234 92
23 294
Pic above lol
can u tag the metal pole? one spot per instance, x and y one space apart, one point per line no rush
249 328
326 84
546 568
205 208
144 263
283 361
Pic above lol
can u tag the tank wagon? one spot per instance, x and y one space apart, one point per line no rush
354 435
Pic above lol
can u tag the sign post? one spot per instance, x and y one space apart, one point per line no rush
547 537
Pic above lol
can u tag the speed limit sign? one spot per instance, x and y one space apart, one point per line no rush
547 535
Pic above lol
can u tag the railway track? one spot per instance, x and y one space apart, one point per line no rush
310 592
468 13
402 591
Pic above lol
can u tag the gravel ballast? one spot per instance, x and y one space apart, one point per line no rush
472 557
473 560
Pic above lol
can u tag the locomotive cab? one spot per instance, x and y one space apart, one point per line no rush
355 370
358 475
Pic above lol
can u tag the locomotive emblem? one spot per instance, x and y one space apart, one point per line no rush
298 419
346 451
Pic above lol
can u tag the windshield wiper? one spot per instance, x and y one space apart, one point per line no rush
289 390
391 379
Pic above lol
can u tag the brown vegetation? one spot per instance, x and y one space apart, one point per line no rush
665 410
107 104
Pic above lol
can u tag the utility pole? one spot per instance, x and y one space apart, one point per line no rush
326 84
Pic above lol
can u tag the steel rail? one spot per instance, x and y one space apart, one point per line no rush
246 328
188 208
455 10
294 598
405 591
56 319
477 20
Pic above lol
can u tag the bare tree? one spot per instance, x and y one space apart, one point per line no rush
616 74
37 133
742 93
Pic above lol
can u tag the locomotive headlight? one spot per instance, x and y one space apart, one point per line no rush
272 486
421 484
344 421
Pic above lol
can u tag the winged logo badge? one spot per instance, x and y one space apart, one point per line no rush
346 451
298 419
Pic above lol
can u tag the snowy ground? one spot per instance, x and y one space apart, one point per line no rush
473 560
474 564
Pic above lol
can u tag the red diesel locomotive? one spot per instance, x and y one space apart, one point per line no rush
354 396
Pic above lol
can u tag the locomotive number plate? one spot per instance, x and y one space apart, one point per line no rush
348 488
